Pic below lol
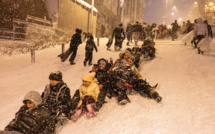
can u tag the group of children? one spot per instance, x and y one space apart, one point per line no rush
43 113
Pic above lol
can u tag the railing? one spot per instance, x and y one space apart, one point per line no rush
19 31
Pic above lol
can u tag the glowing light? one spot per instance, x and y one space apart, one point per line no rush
211 4
172 13
180 19
174 7
196 3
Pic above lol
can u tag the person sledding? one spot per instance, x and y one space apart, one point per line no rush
88 92
142 86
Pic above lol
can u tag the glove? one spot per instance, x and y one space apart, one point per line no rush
128 85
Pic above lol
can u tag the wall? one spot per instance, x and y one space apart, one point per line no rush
72 15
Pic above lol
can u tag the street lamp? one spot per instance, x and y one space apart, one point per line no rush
166 11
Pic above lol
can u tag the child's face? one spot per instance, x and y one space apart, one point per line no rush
53 82
126 55
130 62
101 66
86 83
30 104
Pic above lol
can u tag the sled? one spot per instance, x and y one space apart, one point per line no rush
65 55
110 42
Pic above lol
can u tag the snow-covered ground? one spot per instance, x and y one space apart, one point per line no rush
187 87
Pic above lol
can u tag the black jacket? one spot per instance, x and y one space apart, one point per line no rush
75 41
90 46
35 121
57 99
118 32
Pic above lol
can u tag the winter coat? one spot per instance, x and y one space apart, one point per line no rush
57 98
129 28
75 41
175 26
91 90
210 33
32 121
118 32
90 46
200 28
103 78
136 72
35 121
124 75
136 28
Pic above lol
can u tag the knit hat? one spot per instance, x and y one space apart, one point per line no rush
88 76
102 60
57 75
34 97
132 58
123 63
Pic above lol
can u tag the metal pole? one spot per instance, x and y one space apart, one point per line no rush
166 11
32 55
92 16
63 48
97 41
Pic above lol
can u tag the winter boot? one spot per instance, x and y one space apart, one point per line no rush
199 50
85 63
90 64
123 102
158 99
127 43
76 115
72 63
91 112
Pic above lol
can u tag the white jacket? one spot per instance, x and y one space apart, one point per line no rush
200 28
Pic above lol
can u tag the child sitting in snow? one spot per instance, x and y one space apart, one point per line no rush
141 86
89 92
32 118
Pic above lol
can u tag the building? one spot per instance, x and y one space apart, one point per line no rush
132 11
108 15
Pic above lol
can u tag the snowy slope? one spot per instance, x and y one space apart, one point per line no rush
187 88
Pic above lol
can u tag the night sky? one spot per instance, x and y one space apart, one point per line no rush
155 10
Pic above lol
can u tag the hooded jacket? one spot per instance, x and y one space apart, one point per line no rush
35 121
200 28
91 90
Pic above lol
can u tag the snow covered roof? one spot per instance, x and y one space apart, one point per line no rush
87 5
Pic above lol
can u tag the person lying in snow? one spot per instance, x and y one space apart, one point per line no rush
56 97
141 86
32 117
89 92
122 77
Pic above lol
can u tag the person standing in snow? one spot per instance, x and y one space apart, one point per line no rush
136 31
119 37
174 30
88 92
210 33
141 86
129 33
75 42
90 46
200 32
32 117
56 97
